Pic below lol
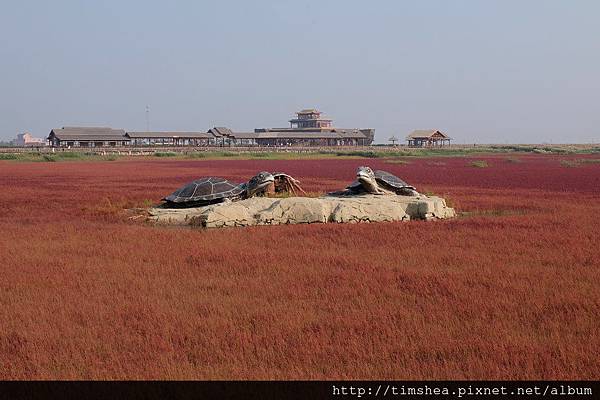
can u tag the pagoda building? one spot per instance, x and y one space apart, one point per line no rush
309 118
309 128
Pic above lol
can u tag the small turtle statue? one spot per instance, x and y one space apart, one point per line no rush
378 182
212 190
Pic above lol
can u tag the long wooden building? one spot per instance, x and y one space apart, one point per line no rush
76 136
308 128
169 138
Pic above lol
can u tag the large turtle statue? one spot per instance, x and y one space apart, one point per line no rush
377 182
211 190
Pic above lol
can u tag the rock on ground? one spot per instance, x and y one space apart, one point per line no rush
304 210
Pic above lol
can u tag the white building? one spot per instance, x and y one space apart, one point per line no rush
25 139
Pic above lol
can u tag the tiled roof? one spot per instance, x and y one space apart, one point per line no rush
169 135
77 133
425 134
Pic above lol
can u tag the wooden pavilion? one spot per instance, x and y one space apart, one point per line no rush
428 138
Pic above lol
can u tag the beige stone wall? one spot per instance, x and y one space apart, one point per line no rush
304 210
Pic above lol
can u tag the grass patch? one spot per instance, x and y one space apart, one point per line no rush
569 163
578 162
540 149
420 153
479 164
590 161
239 155
147 203
70 156
397 161
261 155
374 152
109 208
58 156
436 163
363 154
513 160
440 152
566 149
491 213
450 201
165 154
271 156
196 154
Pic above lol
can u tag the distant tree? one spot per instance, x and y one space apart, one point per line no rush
393 139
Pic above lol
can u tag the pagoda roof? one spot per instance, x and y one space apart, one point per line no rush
309 119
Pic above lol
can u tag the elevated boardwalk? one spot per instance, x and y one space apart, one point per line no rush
149 150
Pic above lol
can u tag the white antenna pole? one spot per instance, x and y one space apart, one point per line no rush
147 118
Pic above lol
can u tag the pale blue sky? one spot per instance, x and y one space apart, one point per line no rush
484 71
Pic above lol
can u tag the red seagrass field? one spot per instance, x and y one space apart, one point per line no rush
507 290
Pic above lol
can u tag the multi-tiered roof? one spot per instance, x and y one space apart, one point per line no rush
309 118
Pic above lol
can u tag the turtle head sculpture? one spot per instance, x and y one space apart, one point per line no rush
367 179
259 183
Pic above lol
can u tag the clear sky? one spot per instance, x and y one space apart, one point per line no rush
483 71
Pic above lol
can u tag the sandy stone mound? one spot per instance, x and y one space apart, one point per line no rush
305 210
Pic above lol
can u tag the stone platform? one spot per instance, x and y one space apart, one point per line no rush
305 210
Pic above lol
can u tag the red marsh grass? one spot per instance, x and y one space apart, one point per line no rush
507 291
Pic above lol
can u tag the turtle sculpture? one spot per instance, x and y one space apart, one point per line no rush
378 182
211 190
286 184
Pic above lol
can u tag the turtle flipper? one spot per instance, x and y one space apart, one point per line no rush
354 186
407 191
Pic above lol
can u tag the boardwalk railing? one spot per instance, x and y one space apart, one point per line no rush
137 150
141 150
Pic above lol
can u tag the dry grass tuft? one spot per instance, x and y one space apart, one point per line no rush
397 161
479 164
